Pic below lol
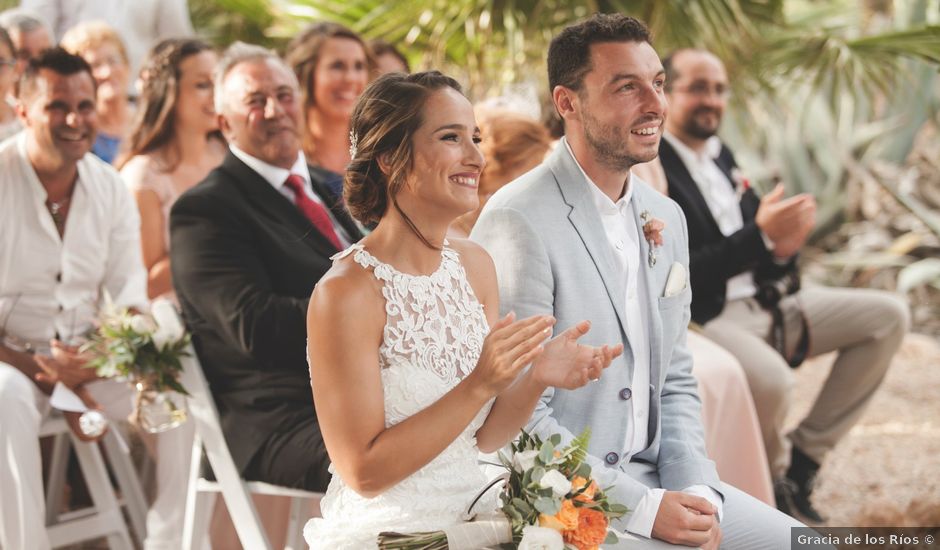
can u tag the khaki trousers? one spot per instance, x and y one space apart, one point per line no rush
865 326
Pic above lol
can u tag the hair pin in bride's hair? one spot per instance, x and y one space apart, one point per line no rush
353 144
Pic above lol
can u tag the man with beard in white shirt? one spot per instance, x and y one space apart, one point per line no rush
69 234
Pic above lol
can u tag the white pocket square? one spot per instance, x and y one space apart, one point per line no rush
675 282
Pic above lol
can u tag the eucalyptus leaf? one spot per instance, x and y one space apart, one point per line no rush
546 452
547 506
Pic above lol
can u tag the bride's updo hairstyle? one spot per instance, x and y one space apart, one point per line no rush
383 124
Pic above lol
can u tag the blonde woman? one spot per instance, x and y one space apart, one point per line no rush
512 144
101 46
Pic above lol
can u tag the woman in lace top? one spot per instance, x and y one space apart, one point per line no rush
175 142
413 373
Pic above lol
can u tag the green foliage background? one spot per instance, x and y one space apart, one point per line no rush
824 90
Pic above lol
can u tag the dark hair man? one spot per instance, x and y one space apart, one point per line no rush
69 233
580 237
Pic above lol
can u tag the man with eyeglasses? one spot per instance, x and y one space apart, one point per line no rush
29 33
746 289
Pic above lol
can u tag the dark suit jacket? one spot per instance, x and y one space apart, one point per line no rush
715 258
245 261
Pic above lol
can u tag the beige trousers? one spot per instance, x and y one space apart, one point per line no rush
865 326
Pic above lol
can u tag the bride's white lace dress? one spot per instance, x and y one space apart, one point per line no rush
433 335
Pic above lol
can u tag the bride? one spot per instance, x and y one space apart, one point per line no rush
413 373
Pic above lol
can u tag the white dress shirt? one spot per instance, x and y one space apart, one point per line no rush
52 287
623 237
277 177
722 201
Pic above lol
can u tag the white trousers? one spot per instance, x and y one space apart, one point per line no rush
22 498
747 523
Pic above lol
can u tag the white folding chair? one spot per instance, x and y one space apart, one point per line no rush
104 518
236 492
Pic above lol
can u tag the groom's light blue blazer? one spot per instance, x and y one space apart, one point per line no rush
552 257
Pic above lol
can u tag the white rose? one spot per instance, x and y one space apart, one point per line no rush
540 538
140 324
169 328
524 460
556 481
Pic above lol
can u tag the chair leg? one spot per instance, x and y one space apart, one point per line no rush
58 468
99 486
199 506
294 539
131 491
193 529
244 515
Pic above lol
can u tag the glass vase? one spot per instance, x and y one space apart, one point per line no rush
157 411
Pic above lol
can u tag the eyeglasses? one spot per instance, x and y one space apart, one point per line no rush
702 90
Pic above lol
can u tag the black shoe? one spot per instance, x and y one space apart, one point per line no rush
793 491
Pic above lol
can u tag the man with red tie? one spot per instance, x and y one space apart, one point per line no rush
248 244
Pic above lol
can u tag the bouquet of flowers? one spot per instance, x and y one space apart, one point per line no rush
145 350
549 502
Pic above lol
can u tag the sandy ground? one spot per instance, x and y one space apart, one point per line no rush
887 470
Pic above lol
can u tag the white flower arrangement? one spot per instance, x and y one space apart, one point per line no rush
139 347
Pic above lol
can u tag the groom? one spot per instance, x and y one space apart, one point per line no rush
579 237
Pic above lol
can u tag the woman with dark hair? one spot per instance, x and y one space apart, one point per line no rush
512 144
387 58
9 123
175 142
413 372
333 65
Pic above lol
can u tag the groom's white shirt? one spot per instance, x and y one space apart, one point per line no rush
623 238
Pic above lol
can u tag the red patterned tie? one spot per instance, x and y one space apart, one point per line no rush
314 211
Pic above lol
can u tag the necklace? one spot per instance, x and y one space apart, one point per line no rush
56 210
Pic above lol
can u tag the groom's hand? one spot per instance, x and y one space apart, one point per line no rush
688 520
569 365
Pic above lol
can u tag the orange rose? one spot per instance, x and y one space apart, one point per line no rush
565 519
577 483
591 531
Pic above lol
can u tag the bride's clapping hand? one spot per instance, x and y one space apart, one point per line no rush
569 365
508 348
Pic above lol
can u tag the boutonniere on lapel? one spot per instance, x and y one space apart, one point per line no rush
741 184
653 232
